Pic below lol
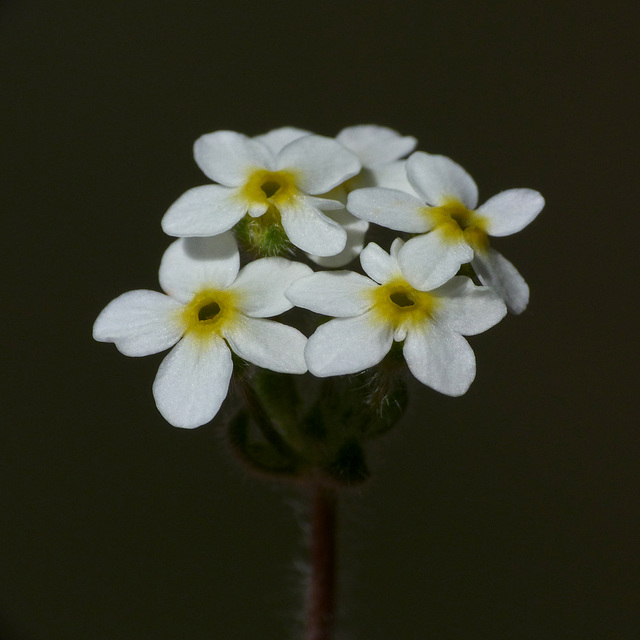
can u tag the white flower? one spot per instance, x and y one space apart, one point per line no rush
458 231
254 180
278 139
373 312
379 150
210 309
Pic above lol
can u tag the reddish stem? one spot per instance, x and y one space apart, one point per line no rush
322 582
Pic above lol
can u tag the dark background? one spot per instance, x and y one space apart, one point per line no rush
511 512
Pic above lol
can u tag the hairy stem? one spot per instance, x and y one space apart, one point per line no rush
322 546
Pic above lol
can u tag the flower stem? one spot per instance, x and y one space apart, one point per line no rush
322 546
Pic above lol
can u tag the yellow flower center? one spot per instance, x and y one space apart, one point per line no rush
270 187
209 312
456 223
398 304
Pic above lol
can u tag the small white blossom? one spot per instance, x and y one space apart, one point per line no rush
452 230
278 139
355 228
371 312
379 150
211 308
254 180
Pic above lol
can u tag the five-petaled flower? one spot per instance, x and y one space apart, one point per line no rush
457 231
371 312
279 187
379 150
212 308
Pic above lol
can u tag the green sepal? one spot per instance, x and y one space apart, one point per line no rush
386 396
275 242
261 456
388 409
262 237
362 406
278 394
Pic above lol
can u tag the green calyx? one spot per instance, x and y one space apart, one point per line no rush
264 236
297 427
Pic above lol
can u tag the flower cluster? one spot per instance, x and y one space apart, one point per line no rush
291 193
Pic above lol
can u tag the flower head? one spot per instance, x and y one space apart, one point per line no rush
452 231
211 307
281 188
371 312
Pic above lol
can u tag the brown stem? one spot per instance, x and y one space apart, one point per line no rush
322 582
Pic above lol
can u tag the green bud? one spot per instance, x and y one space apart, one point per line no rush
264 236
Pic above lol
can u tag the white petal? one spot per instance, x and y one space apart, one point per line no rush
227 157
496 271
443 360
320 163
193 381
376 145
378 264
190 265
348 345
204 211
428 261
268 344
392 175
140 323
467 309
438 178
333 293
261 285
277 139
390 208
325 204
356 230
510 211
310 230
257 209
394 251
